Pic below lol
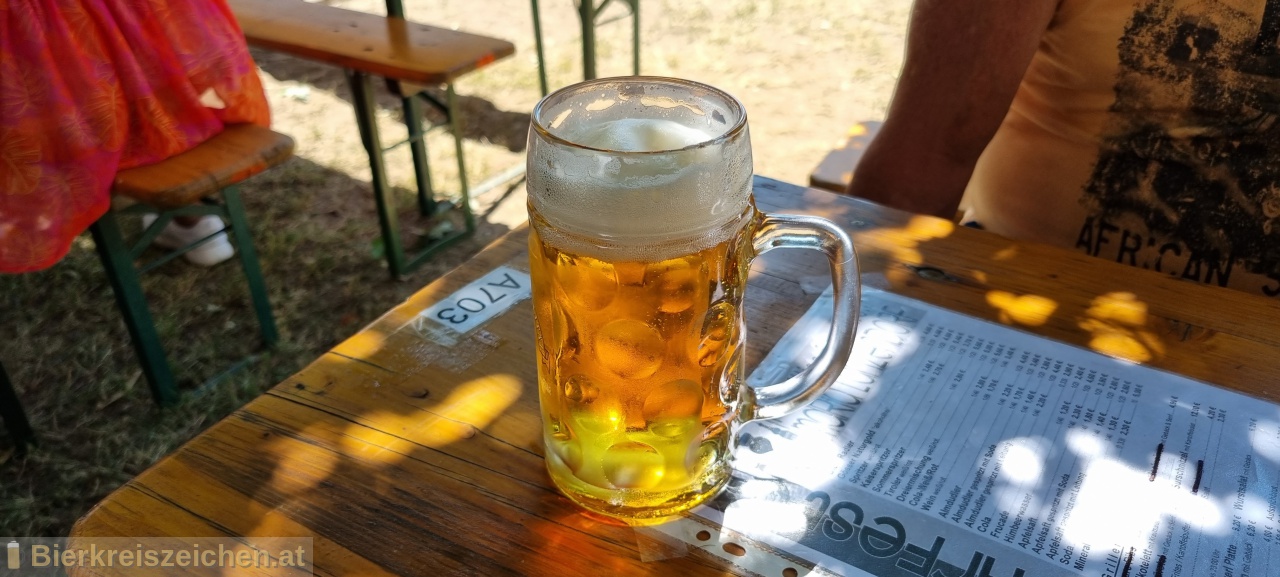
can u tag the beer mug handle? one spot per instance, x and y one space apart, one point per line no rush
791 231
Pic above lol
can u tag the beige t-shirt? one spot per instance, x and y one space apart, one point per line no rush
1147 132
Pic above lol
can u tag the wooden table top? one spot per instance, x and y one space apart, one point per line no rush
400 456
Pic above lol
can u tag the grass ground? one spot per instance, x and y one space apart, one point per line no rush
805 69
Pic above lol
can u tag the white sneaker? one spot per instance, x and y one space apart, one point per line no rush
175 236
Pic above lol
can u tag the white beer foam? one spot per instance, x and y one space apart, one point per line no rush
641 135
628 199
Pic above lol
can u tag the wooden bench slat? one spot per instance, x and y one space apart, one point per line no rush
835 172
383 46
236 153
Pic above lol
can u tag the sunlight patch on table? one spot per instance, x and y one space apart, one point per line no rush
1117 324
1027 310
903 243
1007 253
362 345
470 406
318 464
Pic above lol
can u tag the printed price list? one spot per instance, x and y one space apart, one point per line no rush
1089 464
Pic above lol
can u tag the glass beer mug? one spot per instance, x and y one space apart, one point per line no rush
642 232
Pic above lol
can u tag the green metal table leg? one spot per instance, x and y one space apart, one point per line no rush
362 100
398 260
587 13
635 37
455 121
412 108
15 420
249 262
133 306
537 44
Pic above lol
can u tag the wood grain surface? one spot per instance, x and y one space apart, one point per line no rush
400 456
235 154
383 46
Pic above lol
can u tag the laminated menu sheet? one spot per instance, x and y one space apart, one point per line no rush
952 446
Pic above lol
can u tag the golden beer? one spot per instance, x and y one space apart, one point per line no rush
639 368
642 230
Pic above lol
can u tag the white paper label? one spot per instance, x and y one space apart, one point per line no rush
473 305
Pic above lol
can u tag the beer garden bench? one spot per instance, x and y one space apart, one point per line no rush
201 181
835 171
410 56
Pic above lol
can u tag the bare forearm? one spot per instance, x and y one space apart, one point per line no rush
909 177
964 62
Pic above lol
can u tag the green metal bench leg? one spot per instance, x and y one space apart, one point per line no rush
118 262
362 100
15 420
249 262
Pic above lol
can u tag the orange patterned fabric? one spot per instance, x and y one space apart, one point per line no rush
90 87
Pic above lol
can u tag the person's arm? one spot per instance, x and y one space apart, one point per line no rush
964 62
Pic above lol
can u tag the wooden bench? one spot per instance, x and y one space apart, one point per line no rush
197 182
186 184
396 49
835 172
231 156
